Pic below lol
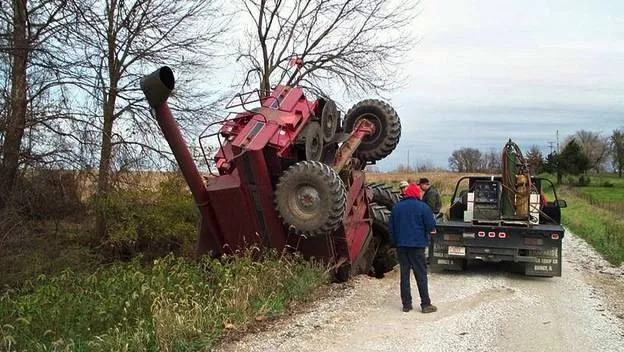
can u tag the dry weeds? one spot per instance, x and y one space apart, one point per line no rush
444 181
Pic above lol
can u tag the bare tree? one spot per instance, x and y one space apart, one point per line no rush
29 46
357 43
425 165
491 161
534 159
466 160
617 150
594 146
120 41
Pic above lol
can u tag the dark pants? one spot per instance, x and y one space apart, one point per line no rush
412 258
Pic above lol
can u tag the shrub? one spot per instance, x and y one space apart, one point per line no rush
153 222
569 180
608 184
583 181
48 194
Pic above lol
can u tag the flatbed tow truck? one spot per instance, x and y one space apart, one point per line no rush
502 218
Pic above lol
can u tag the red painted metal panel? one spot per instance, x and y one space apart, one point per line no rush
243 203
357 226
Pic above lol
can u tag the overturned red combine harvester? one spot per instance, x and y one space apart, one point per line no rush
289 174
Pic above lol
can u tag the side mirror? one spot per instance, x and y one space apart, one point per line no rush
560 203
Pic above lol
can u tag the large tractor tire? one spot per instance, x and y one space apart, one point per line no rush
385 256
385 195
387 128
310 198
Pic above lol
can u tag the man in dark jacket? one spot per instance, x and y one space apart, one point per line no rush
411 222
431 196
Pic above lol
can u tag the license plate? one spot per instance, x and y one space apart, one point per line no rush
454 250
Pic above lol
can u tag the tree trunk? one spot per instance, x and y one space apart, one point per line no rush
109 99
103 184
16 122
265 86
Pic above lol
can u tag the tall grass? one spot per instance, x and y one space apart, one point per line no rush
445 182
173 305
602 229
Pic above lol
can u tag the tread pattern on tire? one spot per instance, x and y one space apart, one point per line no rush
316 173
391 136
385 195
385 259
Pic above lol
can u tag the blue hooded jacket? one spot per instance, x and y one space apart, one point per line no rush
410 223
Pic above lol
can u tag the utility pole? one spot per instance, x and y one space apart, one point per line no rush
557 141
550 145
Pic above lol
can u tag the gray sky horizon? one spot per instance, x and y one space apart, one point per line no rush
485 71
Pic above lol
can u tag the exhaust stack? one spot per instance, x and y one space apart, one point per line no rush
157 87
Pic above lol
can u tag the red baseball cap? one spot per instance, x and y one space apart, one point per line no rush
413 191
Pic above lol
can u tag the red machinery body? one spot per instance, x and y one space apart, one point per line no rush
238 205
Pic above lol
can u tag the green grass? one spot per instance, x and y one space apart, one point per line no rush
593 214
601 228
173 305
604 188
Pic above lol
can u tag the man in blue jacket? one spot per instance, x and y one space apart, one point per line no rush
411 222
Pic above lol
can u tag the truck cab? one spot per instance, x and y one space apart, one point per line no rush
489 221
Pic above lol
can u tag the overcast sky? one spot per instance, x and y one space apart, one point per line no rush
485 71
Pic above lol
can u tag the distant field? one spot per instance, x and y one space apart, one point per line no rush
605 191
444 181
604 187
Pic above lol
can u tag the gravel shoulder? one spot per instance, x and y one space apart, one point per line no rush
484 309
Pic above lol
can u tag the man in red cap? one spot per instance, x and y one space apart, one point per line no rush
411 222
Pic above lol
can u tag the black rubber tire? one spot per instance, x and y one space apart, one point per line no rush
387 128
322 184
329 120
313 141
385 195
385 257
341 274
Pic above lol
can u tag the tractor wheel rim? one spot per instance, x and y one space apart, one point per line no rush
308 199
315 148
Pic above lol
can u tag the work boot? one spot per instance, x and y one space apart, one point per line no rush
407 308
430 308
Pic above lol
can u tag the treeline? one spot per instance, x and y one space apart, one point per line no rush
579 153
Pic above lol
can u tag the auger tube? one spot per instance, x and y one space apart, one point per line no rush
157 87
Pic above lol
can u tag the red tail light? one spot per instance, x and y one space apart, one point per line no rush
554 236
492 234
502 235
481 234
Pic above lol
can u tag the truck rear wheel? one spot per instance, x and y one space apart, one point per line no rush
310 198
387 128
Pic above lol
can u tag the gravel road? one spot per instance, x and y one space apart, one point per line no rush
484 309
